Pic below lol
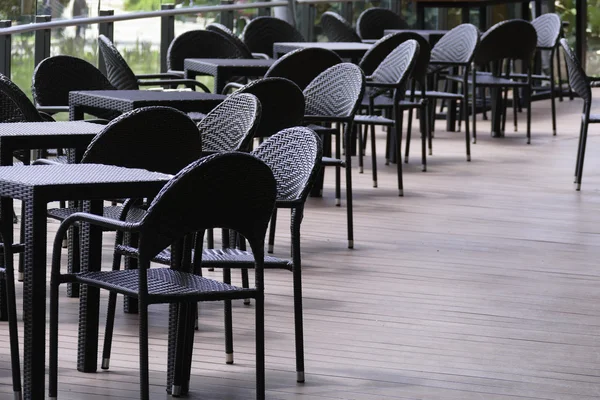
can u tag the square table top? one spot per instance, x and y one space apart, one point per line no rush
127 100
229 62
49 128
79 181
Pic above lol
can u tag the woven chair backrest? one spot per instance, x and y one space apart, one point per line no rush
337 29
372 22
548 28
225 31
14 104
117 70
514 39
578 80
458 45
231 125
260 34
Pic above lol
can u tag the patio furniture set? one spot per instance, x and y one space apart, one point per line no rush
301 105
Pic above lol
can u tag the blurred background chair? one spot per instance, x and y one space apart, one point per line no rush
372 22
337 29
260 34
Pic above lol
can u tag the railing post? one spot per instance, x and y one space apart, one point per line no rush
580 29
167 34
5 49
42 40
227 16
396 6
106 29
347 10
306 21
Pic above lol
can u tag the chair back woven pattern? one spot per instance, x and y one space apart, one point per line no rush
548 28
14 104
294 156
398 65
457 46
158 139
514 39
230 126
225 31
56 76
303 65
242 196
117 69
199 44
578 79
374 21
336 92
383 47
282 104
337 29
260 34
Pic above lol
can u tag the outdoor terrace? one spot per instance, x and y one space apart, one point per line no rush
482 282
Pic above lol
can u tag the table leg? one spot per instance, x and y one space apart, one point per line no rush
34 298
89 299
75 113
497 111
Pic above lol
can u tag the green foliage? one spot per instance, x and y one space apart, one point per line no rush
142 5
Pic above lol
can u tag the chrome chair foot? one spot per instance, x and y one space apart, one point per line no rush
300 376
105 363
228 358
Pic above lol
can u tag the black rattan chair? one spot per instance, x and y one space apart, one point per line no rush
333 97
15 106
372 22
182 208
54 77
262 32
199 44
123 78
337 29
231 125
548 28
454 51
506 41
303 65
581 84
282 104
294 156
387 87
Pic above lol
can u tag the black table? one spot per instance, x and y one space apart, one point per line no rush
223 69
36 186
127 100
45 135
352 50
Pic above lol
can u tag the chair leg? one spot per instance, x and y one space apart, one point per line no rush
297 278
53 351
529 114
516 101
408 137
12 319
110 313
272 227
347 131
581 157
560 80
144 377
338 172
581 127
373 156
465 111
398 131
474 109
553 98
228 321
260 346
424 123
360 149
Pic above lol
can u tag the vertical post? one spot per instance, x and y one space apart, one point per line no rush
395 6
305 21
106 29
580 27
347 10
227 16
42 40
167 34
5 49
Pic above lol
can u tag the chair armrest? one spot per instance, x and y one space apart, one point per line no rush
231 85
190 83
52 109
261 56
45 161
165 75
324 118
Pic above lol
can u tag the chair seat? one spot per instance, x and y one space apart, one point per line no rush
434 94
486 79
332 162
373 120
322 130
217 258
163 283
135 214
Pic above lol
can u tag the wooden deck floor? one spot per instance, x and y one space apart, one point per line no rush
481 283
